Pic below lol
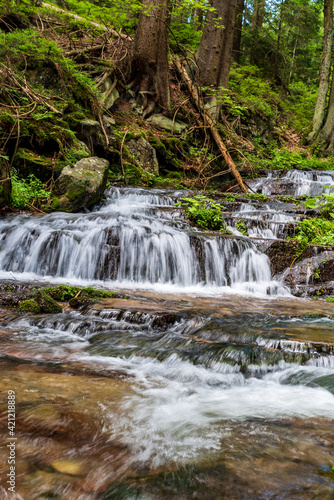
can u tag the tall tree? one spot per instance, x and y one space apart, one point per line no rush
258 14
150 58
236 51
215 52
319 112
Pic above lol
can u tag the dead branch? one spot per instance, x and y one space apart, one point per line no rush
211 123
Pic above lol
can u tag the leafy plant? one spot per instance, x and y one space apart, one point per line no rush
204 212
28 193
315 231
325 202
241 226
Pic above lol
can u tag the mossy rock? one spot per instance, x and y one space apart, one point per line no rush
81 185
63 293
27 162
90 296
46 303
29 306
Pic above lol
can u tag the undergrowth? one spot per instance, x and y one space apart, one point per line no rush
203 212
28 193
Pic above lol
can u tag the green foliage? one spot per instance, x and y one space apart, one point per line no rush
256 196
325 203
241 226
330 299
62 292
314 231
204 212
65 293
249 93
275 158
28 192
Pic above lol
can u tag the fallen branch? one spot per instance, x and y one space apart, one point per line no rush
210 122
86 49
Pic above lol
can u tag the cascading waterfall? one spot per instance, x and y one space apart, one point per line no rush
264 222
296 183
133 237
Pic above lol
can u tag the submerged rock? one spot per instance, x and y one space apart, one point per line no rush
81 185
145 155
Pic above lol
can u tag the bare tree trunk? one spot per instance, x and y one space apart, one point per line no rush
326 134
319 111
150 59
258 14
238 30
215 52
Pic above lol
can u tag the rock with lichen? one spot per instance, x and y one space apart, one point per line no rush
80 185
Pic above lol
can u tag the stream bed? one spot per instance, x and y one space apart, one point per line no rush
209 381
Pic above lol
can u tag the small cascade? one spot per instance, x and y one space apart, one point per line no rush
136 237
261 222
295 183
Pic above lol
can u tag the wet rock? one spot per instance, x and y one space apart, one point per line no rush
165 123
145 155
306 271
281 254
325 271
81 185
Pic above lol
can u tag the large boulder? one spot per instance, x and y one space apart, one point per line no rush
80 185
145 155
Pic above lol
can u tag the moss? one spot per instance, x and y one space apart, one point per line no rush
46 303
55 204
89 296
29 306
62 292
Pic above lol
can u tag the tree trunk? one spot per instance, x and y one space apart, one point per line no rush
278 40
326 134
258 14
5 184
150 59
215 52
319 112
199 19
238 30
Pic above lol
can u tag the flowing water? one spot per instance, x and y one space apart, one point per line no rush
208 381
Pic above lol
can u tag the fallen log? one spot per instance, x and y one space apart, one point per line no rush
208 121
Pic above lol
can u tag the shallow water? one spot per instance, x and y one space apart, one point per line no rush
209 381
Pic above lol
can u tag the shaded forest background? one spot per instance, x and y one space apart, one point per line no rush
216 88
